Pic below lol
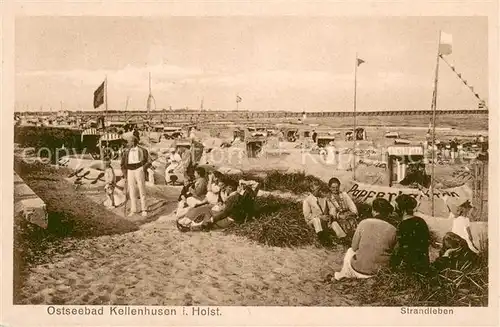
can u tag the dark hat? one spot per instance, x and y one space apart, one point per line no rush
406 202
466 204
382 206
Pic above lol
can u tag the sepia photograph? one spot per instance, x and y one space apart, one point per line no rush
251 161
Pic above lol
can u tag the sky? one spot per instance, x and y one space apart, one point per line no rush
272 63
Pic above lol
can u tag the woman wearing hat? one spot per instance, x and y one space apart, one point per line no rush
413 238
461 222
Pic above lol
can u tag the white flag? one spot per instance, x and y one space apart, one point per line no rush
445 44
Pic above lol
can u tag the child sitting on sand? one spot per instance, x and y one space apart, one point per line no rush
110 180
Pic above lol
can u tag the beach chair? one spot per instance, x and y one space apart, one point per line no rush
110 145
90 142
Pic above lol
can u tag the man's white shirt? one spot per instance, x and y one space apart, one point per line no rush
133 155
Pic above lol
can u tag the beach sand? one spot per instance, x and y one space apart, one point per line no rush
158 265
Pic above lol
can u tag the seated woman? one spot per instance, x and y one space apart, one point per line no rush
454 254
372 244
214 184
461 222
317 210
413 238
174 163
195 194
344 210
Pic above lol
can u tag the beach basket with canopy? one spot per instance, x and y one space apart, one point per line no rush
172 132
360 134
291 134
400 158
254 145
90 141
112 143
195 147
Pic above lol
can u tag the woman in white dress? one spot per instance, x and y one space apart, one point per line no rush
175 161
461 223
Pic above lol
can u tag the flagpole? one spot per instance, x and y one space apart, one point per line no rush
106 95
237 102
354 118
149 113
434 106
106 108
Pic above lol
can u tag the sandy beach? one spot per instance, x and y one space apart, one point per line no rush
158 265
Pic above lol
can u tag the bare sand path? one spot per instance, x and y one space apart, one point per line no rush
158 265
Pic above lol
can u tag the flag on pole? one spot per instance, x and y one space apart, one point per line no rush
360 61
99 96
445 44
238 98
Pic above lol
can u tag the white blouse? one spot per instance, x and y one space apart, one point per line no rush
460 225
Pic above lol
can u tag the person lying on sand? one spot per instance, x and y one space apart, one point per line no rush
237 207
206 216
372 244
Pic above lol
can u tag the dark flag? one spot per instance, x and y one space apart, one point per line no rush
360 61
99 96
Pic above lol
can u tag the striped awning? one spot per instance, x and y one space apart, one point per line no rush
90 131
110 137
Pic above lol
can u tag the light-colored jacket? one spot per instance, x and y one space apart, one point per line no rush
312 209
348 202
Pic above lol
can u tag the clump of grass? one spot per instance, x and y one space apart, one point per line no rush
297 182
456 286
278 222
49 138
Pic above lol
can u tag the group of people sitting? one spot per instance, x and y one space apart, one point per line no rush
212 200
393 237
326 208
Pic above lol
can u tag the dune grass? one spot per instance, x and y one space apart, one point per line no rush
70 215
455 287
279 222
297 182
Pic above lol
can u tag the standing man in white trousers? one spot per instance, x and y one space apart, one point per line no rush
134 164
